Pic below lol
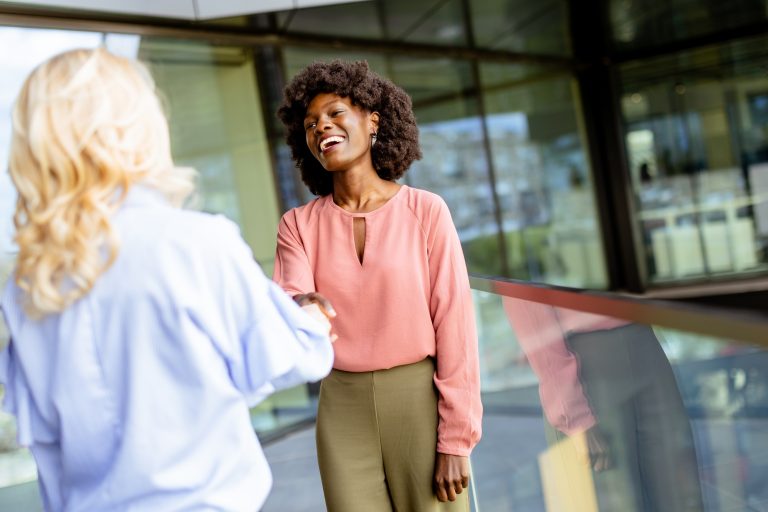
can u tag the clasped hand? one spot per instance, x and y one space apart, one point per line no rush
318 308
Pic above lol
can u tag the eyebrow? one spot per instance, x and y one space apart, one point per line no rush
334 103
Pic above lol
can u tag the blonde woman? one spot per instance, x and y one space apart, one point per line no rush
140 332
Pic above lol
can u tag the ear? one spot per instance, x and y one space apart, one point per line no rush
373 121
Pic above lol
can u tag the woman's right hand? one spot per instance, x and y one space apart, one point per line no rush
305 299
318 307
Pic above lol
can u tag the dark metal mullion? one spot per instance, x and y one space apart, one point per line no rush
475 64
270 79
288 21
601 112
381 13
389 70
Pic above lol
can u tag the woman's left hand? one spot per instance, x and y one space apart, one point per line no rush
451 476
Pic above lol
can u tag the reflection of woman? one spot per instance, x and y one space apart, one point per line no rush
389 260
141 332
611 380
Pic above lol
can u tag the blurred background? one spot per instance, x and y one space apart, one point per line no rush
606 150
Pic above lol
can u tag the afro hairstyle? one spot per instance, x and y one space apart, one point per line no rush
397 143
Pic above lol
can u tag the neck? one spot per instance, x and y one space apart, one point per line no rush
360 193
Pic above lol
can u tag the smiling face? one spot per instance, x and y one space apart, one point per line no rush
338 132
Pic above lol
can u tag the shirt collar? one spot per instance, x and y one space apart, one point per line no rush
141 195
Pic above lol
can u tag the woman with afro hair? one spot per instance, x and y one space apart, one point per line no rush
400 412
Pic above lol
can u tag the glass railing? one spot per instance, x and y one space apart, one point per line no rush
599 402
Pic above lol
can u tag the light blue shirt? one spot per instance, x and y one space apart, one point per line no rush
136 396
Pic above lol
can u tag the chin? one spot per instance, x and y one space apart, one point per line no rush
333 167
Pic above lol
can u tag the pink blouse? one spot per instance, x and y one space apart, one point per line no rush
541 332
409 299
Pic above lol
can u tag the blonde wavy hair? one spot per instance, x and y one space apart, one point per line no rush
87 125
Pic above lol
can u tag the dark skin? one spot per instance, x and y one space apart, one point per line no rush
339 134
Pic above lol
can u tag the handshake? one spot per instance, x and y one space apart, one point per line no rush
319 308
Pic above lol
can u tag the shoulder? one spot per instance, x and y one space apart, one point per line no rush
427 206
421 197
212 235
303 215
171 243
147 215
166 225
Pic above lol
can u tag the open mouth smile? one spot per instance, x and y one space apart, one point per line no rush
330 142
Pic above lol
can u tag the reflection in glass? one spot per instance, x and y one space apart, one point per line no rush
610 381
696 133
596 411
455 161
543 177
637 24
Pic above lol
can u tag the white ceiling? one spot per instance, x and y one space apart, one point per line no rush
180 9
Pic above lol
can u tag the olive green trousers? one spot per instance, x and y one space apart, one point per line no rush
376 440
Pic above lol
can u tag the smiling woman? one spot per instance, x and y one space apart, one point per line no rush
385 263
339 133
397 136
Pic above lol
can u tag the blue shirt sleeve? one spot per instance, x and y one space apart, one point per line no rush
276 344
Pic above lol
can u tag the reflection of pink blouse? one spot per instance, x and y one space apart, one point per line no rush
541 331
408 300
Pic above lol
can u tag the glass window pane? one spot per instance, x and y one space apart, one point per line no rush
217 127
543 177
522 26
296 58
357 19
454 164
696 130
651 23
425 21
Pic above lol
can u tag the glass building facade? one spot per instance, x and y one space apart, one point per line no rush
617 145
